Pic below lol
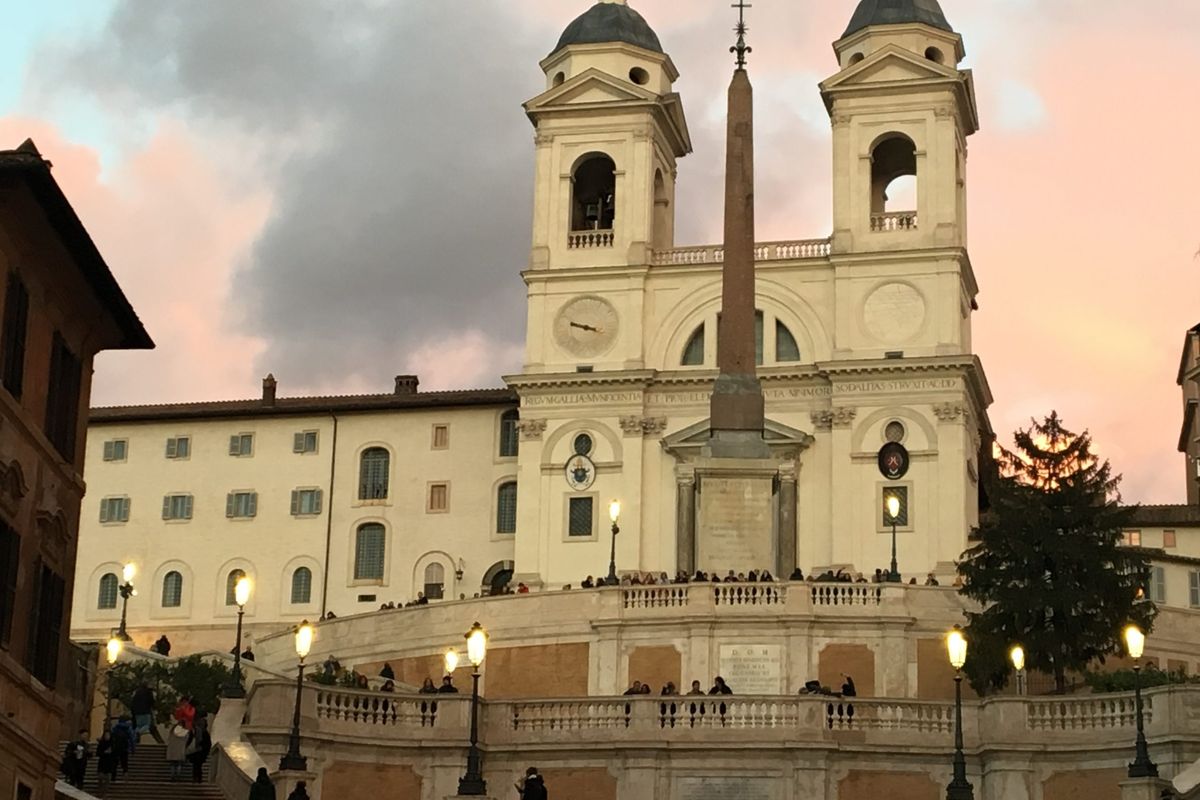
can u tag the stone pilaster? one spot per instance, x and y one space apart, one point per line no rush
685 519
786 546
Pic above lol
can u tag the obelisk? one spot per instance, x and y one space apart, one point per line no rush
736 407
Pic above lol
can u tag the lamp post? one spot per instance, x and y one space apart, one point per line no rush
241 596
1017 655
893 509
127 591
959 788
614 514
472 783
112 651
292 759
1142 766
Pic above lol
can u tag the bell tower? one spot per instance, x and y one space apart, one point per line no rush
609 130
901 111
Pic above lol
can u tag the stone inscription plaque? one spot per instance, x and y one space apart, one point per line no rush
736 526
724 789
753 668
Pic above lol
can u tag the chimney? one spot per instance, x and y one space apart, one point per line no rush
268 395
406 384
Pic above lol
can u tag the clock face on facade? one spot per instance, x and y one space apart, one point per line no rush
586 326
580 472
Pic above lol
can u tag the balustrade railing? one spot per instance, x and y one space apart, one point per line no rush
376 709
846 594
581 240
673 596
769 251
749 594
894 221
1086 713
889 715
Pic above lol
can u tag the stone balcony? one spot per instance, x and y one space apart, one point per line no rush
766 251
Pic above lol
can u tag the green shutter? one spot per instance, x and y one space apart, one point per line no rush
125 503
317 501
104 510
252 508
295 502
229 504
187 507
166 506
108 451
172 445
235 445
298 443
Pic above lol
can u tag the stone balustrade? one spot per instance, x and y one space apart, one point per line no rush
768 251
584 240
1093 712
894 221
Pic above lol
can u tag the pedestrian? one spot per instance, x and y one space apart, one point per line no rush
389 686
199 745
387 672
447 686
427 687
532 786
300 792
848 689
720 686
185 712
106 761
248 654
141 705
695 688
636 688
262 789
75 758
177 740
669 690
123 738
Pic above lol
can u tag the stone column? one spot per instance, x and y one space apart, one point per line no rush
685 519
785 548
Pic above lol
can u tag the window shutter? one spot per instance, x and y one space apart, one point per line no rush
104 511
295 502
183 446
229 501
167 506
125 503
235 445
187 507
298 443
252 509
108 451
172 446
317 501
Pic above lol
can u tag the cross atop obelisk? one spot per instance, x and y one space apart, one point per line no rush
737 400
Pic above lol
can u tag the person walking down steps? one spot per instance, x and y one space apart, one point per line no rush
262 789
177 741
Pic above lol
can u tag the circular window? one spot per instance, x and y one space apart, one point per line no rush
639 76
583 444
559 78
935 55
894 432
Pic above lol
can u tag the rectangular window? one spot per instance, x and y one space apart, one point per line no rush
10 558
241 505
304 442
45 632
901 495
1133 538
439 498
369 553
580 517
62 399
1156 587
12 341
179 447
177 506
1168 539
116 449
114 509
241 444
1194 589
306 502
441 437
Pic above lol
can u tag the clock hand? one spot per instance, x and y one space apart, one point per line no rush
583 327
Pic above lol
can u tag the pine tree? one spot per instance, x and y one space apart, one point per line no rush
1048 567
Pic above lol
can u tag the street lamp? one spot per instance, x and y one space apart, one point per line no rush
127 591
893 510
472 782
292 760
112 651
1017 654
1142 766
451 661
614 514
960 788
241 596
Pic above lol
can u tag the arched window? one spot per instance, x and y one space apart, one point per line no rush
373 474
508 434
594 194
435 581
369 544
786 349
301 586
108 592
231 582
693 352
172 590
506 508
893 177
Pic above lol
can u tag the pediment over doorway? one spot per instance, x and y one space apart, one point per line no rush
784 441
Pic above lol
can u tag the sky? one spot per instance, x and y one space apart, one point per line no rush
339 191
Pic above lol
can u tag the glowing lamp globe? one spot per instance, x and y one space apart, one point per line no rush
451 661
304 639
1135 641
128 571
893 507
956 647
113 650
477 639
614 510
241 592
1017 654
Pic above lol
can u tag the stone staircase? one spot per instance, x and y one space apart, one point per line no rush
150 779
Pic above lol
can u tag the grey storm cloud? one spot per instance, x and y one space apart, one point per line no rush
398 155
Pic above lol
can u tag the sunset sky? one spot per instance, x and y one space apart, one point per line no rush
339 191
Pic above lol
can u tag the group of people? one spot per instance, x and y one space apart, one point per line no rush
681 577
670 690
447 686
188 740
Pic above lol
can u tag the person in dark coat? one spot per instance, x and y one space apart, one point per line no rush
720 686
300 792
75 758
141 705
447 686
162 646
248 654
848 689
387 672
106 761
428 688
532 786
262 789
123 739
198 747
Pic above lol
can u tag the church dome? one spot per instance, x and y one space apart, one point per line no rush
610 21
896 12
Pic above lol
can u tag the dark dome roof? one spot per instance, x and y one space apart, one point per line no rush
610 22
896 12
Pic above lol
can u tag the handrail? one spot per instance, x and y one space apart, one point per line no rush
766 251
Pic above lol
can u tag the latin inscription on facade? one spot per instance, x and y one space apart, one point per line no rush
753 668
724 789
736 525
